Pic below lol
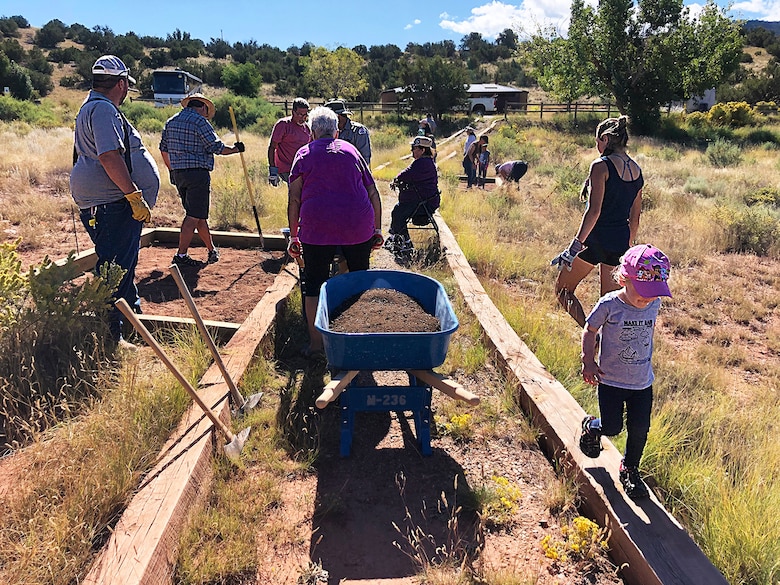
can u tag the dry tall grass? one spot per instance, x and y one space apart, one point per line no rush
713 447
713 444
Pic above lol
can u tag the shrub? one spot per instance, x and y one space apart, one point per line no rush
51 345
723 153
732 114
583 540
754 230
697 120
764 196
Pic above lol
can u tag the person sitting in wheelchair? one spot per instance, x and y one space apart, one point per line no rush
418 195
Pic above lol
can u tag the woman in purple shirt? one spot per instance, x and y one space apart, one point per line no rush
333 202
419 182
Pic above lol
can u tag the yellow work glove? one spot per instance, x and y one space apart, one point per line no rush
141 211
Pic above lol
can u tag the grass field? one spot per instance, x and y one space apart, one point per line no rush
714 447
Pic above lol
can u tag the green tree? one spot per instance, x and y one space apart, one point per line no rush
336 73
50 34
642 56
433 85
16 78
242 79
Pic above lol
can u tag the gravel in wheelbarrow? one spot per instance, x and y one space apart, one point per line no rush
386 350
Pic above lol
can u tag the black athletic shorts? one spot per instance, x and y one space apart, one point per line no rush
194 186
318 260
595 253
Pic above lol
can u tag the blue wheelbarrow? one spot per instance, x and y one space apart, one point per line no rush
413 352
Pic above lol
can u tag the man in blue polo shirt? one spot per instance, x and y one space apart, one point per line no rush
188 146
114 180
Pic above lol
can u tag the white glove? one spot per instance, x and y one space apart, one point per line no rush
567 256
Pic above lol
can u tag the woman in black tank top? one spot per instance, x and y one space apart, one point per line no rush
613 191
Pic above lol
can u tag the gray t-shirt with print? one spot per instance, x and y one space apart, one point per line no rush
626 341
100 129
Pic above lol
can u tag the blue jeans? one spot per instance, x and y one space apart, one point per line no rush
117 237
638 404
471 171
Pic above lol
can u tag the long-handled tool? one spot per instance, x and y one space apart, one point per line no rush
246 176
241 404
235 442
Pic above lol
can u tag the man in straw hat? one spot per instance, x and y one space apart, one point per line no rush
188 146
114 180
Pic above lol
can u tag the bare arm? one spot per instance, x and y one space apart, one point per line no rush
294 205
376 203
166 159
590 369
271 152
633 218
114 164
598 180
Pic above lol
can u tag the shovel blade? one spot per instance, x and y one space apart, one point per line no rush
233 448
252 401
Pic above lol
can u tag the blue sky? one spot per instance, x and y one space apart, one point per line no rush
328 24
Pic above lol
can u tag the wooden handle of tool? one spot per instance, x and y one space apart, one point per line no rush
238 399
333 388
450 387
241 155
152 342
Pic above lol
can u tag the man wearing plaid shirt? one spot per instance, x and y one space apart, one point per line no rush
188 146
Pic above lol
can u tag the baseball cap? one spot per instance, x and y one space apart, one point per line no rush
112 65
339 107
648 268
422 142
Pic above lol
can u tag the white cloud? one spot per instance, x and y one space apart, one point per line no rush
415 22
493 18
757 10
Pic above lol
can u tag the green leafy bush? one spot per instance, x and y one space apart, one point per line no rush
723 153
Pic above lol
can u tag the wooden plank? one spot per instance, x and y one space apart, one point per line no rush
221 331
655 547
143 548
238 240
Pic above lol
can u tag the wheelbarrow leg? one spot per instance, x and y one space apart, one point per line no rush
347 425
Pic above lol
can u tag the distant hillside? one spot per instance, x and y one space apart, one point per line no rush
771 26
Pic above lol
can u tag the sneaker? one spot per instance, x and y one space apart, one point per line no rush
405 245
632 483
213 256
185 260
590 439
391 243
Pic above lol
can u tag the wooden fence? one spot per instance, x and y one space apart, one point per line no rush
529 108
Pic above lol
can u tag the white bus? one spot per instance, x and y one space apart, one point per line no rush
172 85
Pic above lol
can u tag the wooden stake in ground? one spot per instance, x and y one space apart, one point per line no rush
246 176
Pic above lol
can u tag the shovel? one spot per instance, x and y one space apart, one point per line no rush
246 176
238 399
235 442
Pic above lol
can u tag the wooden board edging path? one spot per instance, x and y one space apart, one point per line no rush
646 540
142 549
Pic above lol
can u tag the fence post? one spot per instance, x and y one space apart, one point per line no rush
541 110
286 111
609 109
575 110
